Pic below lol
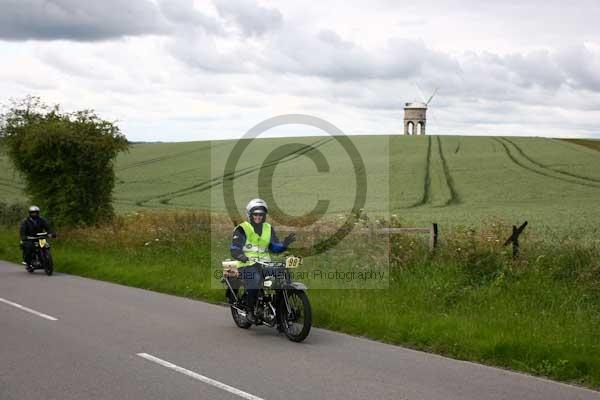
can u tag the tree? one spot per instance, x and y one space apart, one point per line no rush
66 159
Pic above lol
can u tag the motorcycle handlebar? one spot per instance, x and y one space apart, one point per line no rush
40 236
271 263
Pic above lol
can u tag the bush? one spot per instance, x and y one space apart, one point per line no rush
66 159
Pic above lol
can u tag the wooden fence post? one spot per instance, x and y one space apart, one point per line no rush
514 238
433 237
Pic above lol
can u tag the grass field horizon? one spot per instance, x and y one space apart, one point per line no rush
451 180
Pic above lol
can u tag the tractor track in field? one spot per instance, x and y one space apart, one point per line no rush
165 198
244 171
546 167
427 180
535 171
454 197
155 160
167 178
249 170
457 149
133 203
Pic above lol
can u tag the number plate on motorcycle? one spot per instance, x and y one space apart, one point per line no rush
293 262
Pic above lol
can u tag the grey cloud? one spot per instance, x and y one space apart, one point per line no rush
536 68
77 20
576 67
183 14
198 50
537 78
378 79
99 20
326 54
493 84
83 68
253 19
193 41
582 67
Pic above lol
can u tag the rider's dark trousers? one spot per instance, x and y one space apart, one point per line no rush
27 247
252 276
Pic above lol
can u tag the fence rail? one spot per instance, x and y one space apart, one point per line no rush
432 231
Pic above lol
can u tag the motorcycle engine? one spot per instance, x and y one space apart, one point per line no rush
268 315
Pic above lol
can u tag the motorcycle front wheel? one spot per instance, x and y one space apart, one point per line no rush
297 323
48 263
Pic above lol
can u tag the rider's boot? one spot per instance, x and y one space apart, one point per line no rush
250 313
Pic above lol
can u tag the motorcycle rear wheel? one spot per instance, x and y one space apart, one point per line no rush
240 320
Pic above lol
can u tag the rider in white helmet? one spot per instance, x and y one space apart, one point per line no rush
254 240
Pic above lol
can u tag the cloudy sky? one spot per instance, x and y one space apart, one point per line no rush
200 69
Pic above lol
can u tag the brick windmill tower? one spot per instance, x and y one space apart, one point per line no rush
415 116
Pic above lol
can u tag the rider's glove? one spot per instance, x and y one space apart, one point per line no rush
243 258
291 238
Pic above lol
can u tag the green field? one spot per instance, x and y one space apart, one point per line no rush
452 180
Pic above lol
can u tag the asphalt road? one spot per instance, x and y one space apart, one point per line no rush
96 340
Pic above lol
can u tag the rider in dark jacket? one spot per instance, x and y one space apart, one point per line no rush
31 226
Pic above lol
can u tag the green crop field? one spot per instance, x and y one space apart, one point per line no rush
452 180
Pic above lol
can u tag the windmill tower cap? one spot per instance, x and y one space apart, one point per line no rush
415 105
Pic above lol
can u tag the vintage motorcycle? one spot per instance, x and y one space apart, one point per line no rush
41 258
280 303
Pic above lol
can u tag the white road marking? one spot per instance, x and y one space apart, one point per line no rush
199 377
29 310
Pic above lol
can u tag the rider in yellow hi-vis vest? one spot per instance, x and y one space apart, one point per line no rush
256 247
254 240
